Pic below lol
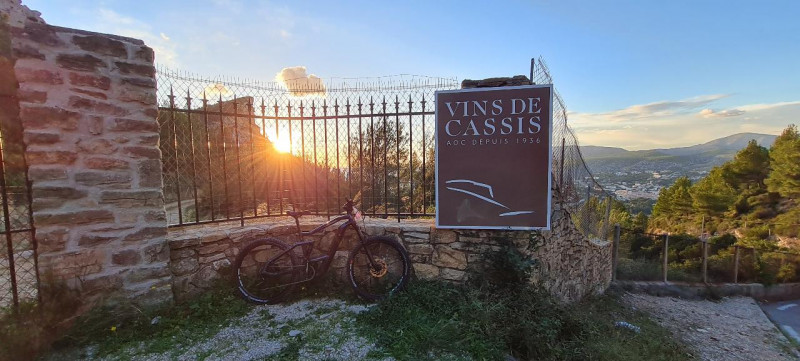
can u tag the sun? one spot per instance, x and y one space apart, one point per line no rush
282 145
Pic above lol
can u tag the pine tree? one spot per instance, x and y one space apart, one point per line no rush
785 163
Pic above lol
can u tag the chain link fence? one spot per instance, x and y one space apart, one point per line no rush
19 277
581 195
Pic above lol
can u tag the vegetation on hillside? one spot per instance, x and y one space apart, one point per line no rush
750 201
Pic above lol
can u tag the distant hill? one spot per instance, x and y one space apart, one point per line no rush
722 146
642 173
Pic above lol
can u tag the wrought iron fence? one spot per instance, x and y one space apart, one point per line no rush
236 150
19 276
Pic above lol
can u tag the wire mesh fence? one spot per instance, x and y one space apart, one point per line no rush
641 257
18 263
235 150
579 192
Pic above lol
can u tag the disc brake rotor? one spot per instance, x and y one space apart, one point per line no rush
382 269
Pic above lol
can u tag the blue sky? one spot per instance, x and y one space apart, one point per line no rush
634 74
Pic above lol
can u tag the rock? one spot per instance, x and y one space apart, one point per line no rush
295 333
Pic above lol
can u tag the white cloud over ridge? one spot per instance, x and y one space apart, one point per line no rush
680 123
299 83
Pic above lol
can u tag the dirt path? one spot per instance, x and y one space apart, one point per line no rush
730 330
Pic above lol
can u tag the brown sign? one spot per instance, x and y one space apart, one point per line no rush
493 157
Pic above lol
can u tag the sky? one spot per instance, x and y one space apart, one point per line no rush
634 74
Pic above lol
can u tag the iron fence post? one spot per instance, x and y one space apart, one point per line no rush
615 253
735 264
705 261
666 257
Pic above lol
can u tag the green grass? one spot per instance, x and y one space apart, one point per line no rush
433 319
124 326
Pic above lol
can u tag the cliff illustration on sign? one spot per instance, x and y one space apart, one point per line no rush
465 211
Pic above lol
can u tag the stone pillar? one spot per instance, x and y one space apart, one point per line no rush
88 109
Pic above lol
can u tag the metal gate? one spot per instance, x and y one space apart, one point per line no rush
19 275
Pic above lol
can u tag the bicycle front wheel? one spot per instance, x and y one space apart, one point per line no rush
386 273
265 271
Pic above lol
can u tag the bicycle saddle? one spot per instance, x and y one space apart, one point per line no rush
298 214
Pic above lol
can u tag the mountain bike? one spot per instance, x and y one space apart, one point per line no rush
268 269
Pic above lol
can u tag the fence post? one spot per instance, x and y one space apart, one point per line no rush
666 256
615 253
705 261
608 215
735 264
561 175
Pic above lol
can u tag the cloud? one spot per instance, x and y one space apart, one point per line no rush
670 124
285 34
216 90
165 50
660 109
708 113
299 83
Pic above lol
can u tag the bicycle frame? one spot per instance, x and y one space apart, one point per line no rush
306 252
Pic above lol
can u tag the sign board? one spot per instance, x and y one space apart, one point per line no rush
493 157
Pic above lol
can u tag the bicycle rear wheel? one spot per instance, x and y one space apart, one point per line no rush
388 272
265 271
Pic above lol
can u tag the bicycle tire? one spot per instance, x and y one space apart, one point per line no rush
260 266
362 276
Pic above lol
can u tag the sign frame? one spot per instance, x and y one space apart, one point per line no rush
547 227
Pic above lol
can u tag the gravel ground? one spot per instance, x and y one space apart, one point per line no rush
730 330
320 329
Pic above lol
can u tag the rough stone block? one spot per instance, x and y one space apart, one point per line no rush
136 69
42 34
92 239
144 54
83 62
141 274
87 216
39 76
425 249
40 138
184 266
126 258
453 275
25 51
90 105
426 271
93 94
97 146
443 236
103 179
444 256
46 174
89 80
32 96
105 163
143 152
133 198
101 45
42 117
51 239
176 254
140 82
146 233
158 252
150 173
60 192
134 125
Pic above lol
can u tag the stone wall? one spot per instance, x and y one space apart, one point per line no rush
87 105
568 265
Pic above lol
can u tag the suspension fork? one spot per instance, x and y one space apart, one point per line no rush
361 238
